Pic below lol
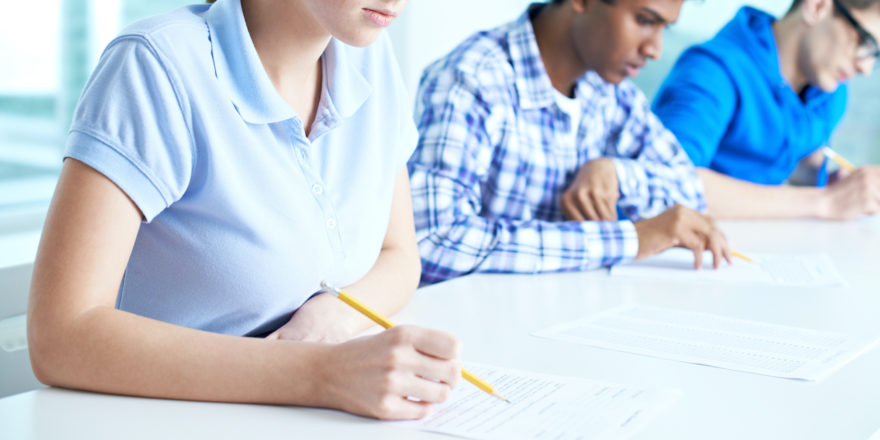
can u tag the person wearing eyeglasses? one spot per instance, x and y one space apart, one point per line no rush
754 106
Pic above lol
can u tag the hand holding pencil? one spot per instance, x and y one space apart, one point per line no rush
856 195
838 159
398 374
385 323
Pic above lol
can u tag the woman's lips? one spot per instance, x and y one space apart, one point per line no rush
380 18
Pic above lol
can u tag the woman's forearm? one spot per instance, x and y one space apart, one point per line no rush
386 288
112 351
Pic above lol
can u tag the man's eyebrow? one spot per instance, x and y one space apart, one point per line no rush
655 15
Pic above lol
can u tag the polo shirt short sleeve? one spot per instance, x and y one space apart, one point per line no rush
245 210
131 126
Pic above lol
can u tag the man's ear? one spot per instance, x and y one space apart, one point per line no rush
814 11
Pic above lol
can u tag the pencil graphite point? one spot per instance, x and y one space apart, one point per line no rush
500 397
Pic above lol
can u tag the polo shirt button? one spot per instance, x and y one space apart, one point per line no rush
331 223
317 189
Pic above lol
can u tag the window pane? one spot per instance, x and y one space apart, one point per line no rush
28 89
49 49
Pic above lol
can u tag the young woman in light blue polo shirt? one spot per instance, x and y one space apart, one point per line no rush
223 160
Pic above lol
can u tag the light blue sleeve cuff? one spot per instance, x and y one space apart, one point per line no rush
122 171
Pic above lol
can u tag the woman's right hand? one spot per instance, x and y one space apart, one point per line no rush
380 375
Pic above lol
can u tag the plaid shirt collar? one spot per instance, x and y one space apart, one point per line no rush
533 85
532 82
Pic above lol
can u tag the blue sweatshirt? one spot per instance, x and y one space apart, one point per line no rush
732 110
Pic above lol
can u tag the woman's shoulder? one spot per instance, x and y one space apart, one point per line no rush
177 35
177 20
174 46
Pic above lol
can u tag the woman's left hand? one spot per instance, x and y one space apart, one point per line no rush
324 319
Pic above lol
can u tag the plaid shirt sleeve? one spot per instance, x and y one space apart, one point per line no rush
448 173
653 169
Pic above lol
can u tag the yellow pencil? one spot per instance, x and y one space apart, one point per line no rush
740 255
384 322
845 164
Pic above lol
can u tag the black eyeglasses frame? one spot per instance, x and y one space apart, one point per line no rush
868 47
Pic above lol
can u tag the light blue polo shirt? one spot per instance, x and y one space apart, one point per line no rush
244 214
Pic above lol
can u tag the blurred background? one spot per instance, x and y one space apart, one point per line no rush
49 48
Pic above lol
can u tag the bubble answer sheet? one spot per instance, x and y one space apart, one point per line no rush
544 406
714 340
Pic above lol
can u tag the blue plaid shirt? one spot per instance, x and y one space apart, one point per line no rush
496 153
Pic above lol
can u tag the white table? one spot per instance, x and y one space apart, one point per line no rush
495 314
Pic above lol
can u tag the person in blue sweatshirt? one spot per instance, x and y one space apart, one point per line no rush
754 106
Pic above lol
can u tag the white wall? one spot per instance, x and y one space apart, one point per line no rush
705 17
428 29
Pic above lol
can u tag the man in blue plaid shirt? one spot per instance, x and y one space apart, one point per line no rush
533 143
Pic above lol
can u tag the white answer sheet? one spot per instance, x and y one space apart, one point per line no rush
800 270
718 341
544 406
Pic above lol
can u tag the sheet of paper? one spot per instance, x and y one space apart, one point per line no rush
800 270
544 407
714 340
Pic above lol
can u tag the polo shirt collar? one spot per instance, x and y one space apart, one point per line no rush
238 67
345 84
533 85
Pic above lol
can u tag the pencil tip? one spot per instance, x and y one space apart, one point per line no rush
500 397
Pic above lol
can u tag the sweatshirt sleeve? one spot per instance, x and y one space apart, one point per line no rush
697 102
